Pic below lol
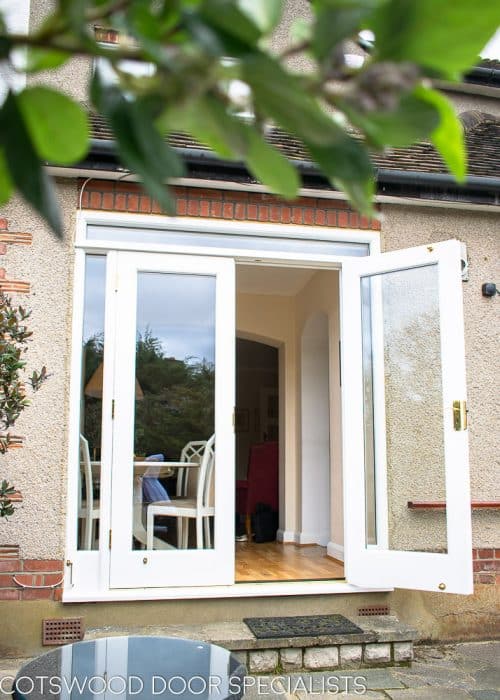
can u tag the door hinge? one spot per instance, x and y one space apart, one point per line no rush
110 538
112 409
460 415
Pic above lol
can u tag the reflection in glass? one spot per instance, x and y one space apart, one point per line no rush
403 307
174 449
368 413
91 402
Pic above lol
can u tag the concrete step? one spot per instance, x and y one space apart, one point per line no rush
384 641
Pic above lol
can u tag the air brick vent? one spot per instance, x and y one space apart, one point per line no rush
371 610
62 630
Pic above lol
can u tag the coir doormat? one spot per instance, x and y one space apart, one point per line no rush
301 626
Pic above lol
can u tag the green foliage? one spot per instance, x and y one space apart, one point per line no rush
196 47
14 338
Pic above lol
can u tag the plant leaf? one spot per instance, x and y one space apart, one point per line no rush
24 164
448 136
420 31
265 14
271 167
58 126
44 59
6 186
337 20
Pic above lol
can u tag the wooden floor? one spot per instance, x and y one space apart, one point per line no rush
273 561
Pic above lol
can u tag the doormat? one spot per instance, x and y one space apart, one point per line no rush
302 626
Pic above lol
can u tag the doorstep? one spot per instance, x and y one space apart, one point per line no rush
384 641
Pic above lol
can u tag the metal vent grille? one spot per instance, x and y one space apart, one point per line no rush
370 610
62 630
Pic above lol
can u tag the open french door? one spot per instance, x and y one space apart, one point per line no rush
405 445
173 384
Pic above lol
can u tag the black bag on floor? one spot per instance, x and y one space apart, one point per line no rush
264 523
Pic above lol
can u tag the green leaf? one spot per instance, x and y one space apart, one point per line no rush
6 186
271 167
442 35
448 137
58 126
413 119
24 164
44 59
265 14
281 96
348 167
225 15
140 145
337 20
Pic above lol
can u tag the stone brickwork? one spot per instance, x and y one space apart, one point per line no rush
29 579
486 563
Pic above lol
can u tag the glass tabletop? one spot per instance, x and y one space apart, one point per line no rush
133 667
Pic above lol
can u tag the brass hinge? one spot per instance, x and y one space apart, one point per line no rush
112 409
460 415
110 538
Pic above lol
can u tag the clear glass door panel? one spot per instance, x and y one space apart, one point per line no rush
174 451
403 407
89 444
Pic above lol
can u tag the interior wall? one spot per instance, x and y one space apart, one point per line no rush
321 294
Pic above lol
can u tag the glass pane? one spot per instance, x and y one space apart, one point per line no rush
229 240
174 411
91 402
402 376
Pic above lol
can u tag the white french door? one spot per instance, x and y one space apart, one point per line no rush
173 384
406 483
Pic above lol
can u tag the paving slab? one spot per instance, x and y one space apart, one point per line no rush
485 652
485 694
429 694
488 678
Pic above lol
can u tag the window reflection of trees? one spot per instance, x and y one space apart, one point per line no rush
178 401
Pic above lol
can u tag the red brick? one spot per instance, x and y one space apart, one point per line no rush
181 207
6 581
180 191
121 202
331 218
275 214
102 185
308 215
320 217
216 209
263 213
36 594
486 578
375 224
133 202
354 220
145 204
296 215
237 196
252 212
204 208
4 224
364 222
95 200
156 209
240 211
228 210
42 565
108 200
3 248
477 565
52 579
497 553
485 553
10 565
9 594
85 199
193 207
209 194
2 273
336 204
127 187
58 593
286 215
343 219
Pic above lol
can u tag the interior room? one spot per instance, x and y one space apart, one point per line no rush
287 424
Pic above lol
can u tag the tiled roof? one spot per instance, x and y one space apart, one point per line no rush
482 135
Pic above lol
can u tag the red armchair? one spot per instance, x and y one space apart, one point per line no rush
261 484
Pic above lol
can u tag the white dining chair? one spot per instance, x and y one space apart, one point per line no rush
199 506
88 508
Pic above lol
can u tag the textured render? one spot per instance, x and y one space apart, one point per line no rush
71 78
38 469
404 227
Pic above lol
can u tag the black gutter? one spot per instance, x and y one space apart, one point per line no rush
483 76
202 163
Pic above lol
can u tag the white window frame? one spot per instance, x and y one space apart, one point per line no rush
87 574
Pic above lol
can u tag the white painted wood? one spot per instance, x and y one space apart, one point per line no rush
145 568
369 566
